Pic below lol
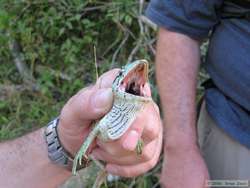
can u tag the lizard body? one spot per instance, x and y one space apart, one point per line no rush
129 99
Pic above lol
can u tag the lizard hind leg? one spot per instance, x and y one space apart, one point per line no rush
83 150
139 147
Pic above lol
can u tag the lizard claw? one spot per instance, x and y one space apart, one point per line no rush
139 147
81 158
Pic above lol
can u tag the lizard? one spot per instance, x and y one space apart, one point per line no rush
129 99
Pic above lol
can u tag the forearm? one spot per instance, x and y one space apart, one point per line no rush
25 163
177 63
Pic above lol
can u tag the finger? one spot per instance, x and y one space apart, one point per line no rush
152 124
131 137
126 143
146 125
90 104
129 140
147 89
100 100
131 159
106 80
113 148
78 114
116 148
135 170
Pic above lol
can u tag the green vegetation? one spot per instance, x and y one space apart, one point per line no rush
55 40
46 56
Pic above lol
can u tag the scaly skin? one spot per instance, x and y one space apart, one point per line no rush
125 108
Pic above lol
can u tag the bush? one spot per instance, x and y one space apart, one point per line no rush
54 41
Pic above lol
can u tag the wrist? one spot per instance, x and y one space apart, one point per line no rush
180 141
56 151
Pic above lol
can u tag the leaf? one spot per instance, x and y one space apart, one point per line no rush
78 17
61 31
4 19
69 25
128 19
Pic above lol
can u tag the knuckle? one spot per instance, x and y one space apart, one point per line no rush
153 130
113 152
146 156
156 107
156 129
126 173
151 164
148 152
106 147
106 79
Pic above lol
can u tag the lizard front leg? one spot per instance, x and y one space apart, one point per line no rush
82 152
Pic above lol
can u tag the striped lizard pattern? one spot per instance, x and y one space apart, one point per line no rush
129 99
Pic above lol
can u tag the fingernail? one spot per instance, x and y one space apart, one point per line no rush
103 98
131 140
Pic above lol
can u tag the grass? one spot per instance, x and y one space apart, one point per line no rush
56 40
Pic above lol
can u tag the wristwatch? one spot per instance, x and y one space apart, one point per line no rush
56 153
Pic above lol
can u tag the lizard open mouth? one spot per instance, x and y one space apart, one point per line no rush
135 80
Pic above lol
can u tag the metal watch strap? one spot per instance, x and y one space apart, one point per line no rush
56 153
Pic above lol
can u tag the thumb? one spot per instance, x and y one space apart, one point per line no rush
87 105
78 114
93 103
100 103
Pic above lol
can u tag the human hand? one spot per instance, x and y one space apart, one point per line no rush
120 155
82 109
79 113
183 168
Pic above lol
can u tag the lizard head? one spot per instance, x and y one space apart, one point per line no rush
132 79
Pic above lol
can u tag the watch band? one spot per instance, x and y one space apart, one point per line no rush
56 152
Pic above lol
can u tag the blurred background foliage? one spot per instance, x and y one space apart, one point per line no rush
46 56
53 41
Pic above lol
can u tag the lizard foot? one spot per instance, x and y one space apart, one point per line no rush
81 158
139 147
